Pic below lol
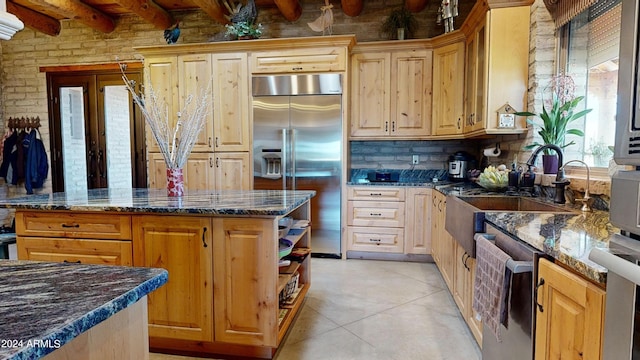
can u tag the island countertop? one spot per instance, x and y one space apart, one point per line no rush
237 203
43 306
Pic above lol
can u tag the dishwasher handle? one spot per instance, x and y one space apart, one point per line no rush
516 267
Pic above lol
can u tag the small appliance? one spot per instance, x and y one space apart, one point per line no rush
459 164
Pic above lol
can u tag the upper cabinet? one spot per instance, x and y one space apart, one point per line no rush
497 68
448 82
391 90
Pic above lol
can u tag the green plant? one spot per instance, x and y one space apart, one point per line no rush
243 29
557 114
400 18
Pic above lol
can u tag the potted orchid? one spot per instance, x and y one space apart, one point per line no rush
558 113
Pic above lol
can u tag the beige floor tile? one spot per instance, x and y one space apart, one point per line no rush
370 310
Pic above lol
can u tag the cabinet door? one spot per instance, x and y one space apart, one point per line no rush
375 239
448 89
183 307
194 73
162 72
245 281
370 98
232 171
475 77
299 60
411 93
445 245
418 221
197 172
435 228
570 323
81 251
474 322
231 102
460 280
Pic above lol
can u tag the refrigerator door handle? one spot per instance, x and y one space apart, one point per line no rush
283 160
293 159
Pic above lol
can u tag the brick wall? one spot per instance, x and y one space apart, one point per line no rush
398 154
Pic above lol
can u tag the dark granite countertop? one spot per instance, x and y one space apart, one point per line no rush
567 237
406 177
45 305
239 203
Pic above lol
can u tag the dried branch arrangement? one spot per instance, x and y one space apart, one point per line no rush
175 143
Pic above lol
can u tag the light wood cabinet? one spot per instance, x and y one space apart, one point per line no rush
376 219
418 221
194 79
74 237
206 171
448 89
569 322
327 59
183 307
81 251
231 102
245 309
443 244
220 157
391 92
455 265
497 67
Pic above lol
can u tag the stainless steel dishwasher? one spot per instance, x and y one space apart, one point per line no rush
518 336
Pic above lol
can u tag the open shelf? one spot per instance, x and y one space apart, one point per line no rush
293 309
295 235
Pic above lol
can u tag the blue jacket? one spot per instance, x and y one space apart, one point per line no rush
37 165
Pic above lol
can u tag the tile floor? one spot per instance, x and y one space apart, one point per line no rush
367 310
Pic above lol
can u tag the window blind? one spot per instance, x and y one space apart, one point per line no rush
562 11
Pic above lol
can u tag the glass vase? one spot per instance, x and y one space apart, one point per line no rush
175 182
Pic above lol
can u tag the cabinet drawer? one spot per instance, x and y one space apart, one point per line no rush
302 60
73 225
375 213
375 193
101 252
375 239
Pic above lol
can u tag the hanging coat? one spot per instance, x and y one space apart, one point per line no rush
37 165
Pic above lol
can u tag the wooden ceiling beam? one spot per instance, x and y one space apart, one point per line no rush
415 5
290 9
149 11
76 10
213 9
35 20
351 7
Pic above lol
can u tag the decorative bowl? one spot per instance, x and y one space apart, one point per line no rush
284 225
492 186
284 248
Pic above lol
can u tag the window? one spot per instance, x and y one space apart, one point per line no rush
592 43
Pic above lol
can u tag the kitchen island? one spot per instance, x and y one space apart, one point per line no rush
226 293
74 310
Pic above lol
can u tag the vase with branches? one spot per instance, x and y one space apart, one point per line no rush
174 141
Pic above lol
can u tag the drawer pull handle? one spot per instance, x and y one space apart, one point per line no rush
375 240
374 214
204 242
296 68
72 262
535 295
375 194
70 225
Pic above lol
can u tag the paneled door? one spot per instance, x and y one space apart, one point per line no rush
96 141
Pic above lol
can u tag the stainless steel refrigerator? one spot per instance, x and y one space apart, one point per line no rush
297 145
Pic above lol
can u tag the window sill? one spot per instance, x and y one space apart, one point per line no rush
599 184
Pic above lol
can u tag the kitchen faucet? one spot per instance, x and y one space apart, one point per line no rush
561 181
585 199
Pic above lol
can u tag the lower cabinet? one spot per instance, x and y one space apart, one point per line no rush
245 309
206 171
570 317
183 245
395 220
455 265
82 251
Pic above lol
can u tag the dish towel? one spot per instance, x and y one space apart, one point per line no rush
491 285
